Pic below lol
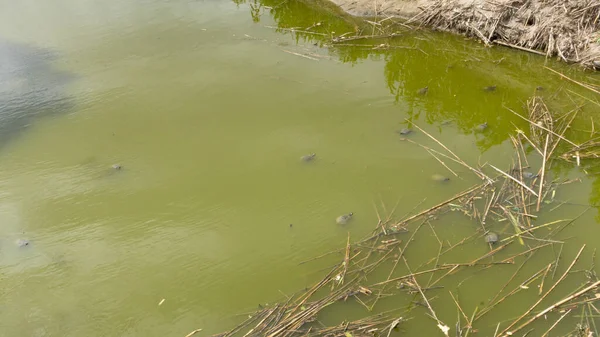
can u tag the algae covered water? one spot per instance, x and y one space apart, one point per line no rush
208 107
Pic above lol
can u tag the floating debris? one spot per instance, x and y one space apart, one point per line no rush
423 91
489 88
308 157
117 166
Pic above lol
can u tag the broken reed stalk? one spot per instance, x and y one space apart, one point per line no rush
520 132
346 260
193 333
437 259
477 172
433 270
314 289
544 160
470 323
555 305
556 323
533 229
509 281
515 224
442 162
294 320
387 279
543 128
321 256
261 322
514 179
572 80
443 327
518 288
494 251
461 242
544 278
434 152
459 308
506 331
520 167
444 203
564 129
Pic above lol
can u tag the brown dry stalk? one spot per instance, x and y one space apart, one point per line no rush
444 203
494 251
556 323
459 308
193 332
541 127
512 292
514 179
544 160
508 282
506 331
441 325
346 259
544 278
477 172
572 80
555 305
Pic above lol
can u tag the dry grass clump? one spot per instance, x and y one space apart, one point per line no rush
568 29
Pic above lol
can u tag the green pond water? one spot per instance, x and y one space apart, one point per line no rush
208 106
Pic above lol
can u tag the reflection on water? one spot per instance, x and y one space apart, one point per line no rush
209 110
29 87
457 74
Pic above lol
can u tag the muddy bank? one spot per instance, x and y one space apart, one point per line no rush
569 30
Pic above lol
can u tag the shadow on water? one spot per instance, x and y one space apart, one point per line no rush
29 87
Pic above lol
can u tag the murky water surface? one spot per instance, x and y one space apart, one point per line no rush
208 107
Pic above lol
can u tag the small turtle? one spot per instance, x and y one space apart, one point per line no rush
423 91
117 166
439 178
539 88
528 175
344 219
22 243
596 64
405 131
308 157
481 127
489 88
491 238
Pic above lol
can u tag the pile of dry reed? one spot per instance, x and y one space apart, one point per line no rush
569 29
